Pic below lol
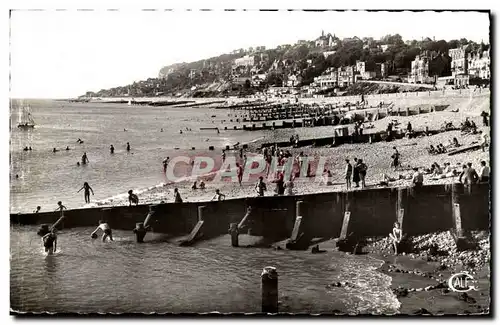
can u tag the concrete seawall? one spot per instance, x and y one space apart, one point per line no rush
372 213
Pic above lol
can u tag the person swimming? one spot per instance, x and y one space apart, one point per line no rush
111 149
38 208
78 163
79 141
30 149
107 233
50 242
87 191
132 198
55 150
67 148
25 149
85 159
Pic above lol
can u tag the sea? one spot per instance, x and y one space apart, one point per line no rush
44 177
90 276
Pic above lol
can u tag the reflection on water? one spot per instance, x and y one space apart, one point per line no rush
90 276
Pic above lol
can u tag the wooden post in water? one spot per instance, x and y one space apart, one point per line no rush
233 230
269 278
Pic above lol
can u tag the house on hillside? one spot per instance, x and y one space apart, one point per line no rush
323 41
428 66
329 79
346 76
459 61
479 65
292 80
328 53
247 60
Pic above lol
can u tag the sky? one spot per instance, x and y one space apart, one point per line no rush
61 54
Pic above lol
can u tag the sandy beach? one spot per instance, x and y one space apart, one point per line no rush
377 156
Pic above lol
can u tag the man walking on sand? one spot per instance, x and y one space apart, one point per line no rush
395 158
348 174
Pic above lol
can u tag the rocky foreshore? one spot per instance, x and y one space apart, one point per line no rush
420 276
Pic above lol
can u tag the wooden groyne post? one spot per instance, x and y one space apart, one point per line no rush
269 278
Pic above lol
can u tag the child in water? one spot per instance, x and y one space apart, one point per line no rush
132 198
106 231
50 242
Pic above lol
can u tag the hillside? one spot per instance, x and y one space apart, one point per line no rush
304 61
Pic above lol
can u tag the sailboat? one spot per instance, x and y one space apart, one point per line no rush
25 118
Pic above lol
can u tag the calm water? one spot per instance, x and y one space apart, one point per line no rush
123 276
46 177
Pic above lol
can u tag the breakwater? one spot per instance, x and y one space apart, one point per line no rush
369 212
338 117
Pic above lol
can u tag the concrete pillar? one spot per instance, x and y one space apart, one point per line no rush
201 211
233 230
456 189
407 111
269 279
401 205
152 210
418 110
140 232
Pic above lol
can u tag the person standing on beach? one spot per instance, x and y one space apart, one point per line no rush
132 198
87 191
355 172
471 176
484 172
223 155
395 158
128 146
362 167
239 172
85 159
418 178
177 196
348 173
112 149
218 196
261 186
